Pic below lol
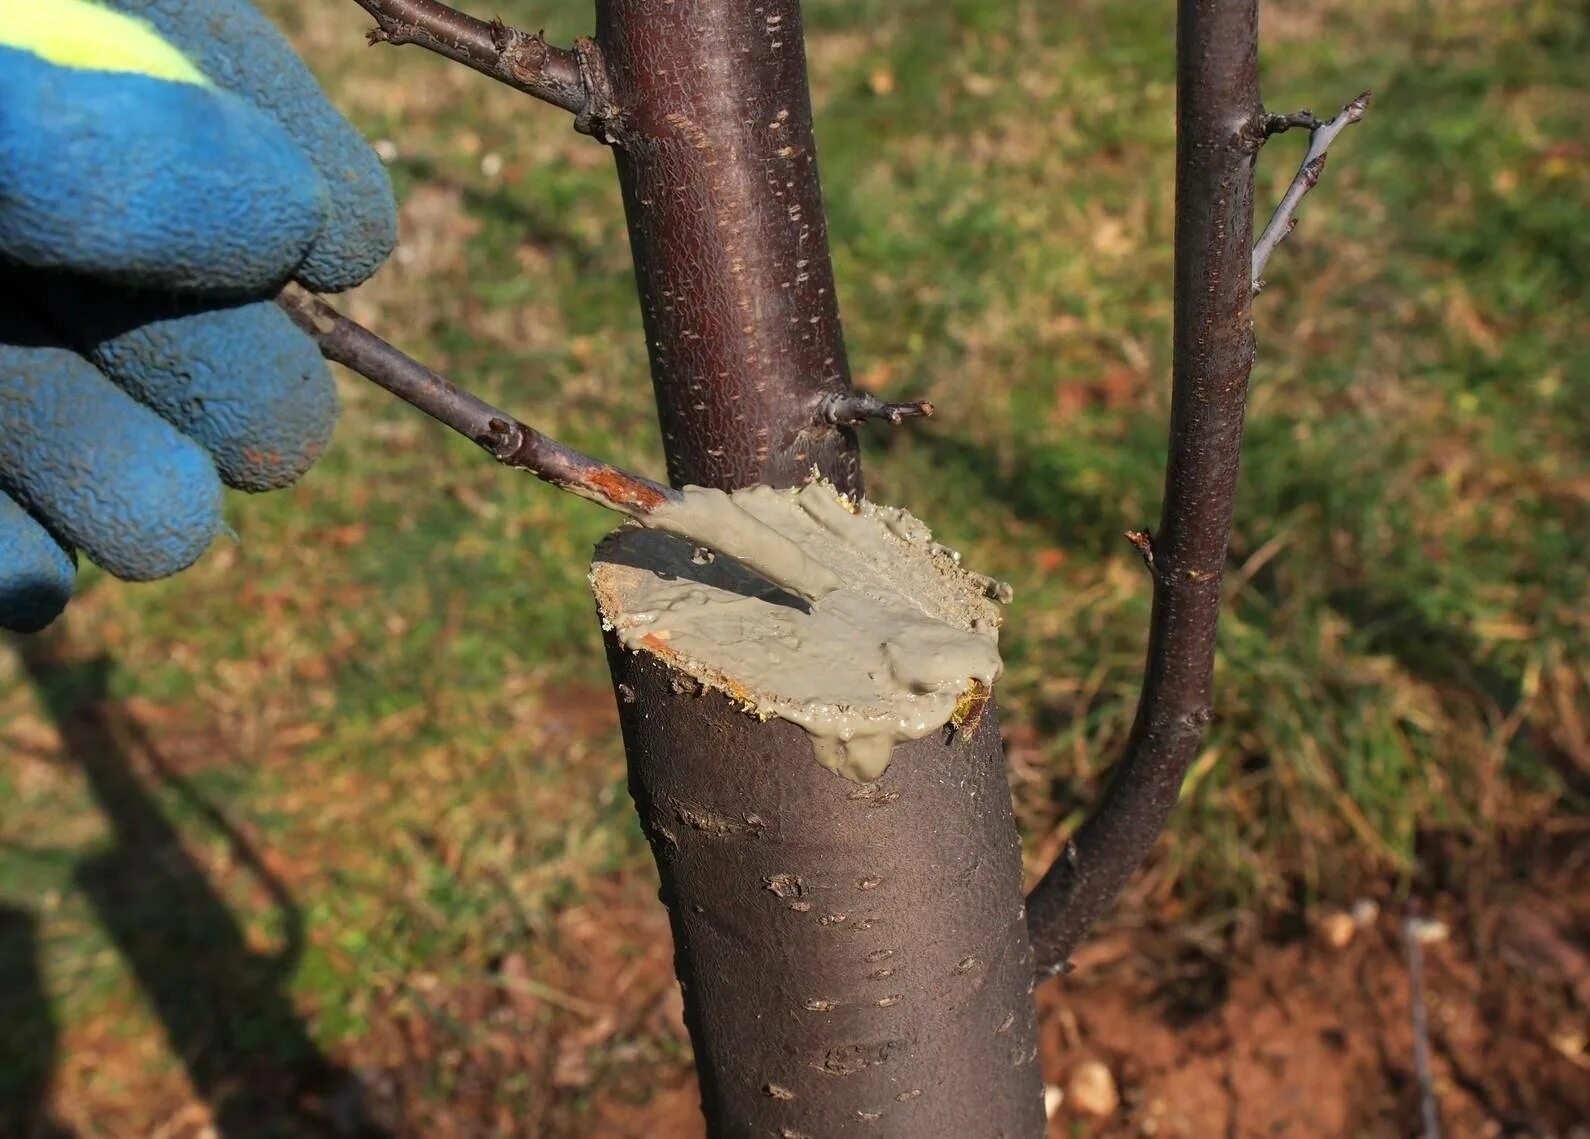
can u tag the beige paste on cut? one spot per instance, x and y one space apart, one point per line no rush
855 624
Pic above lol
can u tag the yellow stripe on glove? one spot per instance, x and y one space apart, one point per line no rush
84 36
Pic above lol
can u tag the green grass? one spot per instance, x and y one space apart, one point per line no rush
362 683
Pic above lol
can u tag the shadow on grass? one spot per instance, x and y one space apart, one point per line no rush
28 1040
1453 661
1053 486
225 1007
1060 490
1439 654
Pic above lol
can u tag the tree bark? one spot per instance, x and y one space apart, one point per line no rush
718 166
706 105
854 956
1219 129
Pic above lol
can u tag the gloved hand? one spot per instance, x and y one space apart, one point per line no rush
165 166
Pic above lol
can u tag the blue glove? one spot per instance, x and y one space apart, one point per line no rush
164 168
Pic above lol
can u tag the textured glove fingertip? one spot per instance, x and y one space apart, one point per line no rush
106 473
239 49
361 224
36 571
150 182
161 516
240 379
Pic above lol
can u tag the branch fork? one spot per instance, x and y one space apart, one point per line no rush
1217 272
573 79
1320 136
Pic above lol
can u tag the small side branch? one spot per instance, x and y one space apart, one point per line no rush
1320 137
1414 930
1215 279
846 409
503 437
1280 124
1216 86
1143 542
571 79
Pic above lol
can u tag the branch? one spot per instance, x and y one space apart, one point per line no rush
1413 932
1143 542
1216 86
1320 137
502 436
846 409
572 79
1280 124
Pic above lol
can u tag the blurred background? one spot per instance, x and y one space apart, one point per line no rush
329 835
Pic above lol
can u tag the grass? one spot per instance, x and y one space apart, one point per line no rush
393 683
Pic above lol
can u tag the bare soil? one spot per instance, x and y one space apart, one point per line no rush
1307 1039
1289 1037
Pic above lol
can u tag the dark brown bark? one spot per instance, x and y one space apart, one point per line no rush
930 1029
713 136
522 60
853 956
1219 128
504 438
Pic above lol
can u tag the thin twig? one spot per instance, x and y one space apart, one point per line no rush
571 79
1280 124
1413 933
846 409
1142 540
1320 137
503 437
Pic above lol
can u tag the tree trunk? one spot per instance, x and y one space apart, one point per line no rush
854 956
719 171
